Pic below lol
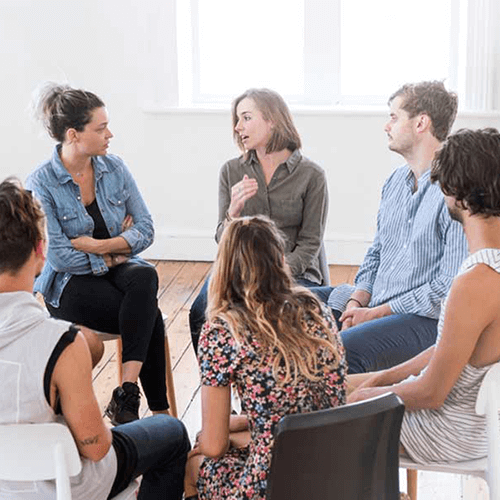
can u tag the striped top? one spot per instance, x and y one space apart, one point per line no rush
453 432
416 252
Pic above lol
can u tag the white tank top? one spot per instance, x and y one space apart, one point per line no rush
454 432
27 339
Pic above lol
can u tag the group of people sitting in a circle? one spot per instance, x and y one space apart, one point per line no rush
422 319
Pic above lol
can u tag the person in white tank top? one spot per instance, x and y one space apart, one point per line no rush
439 387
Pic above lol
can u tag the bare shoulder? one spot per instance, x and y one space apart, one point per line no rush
476 293
483 284
481 281
74 359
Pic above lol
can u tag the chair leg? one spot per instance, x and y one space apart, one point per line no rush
119 348
411 483
170 380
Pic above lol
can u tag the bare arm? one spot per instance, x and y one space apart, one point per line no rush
362 385
72 377
216 409
88 244
469 312
238 423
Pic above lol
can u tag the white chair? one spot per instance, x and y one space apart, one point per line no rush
168 364
40 452
488 404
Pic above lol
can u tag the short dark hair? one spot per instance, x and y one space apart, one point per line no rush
468 168
61 107
21 225
434 100
274 108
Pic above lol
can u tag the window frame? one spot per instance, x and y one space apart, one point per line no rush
476 83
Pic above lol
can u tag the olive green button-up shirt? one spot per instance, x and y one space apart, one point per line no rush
296 199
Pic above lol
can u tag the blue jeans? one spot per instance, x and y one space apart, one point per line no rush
197 311
322 292
385 342
156 448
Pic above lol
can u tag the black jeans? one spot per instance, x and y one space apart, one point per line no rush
156 448
123 301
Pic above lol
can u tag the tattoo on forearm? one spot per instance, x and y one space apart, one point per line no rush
90 440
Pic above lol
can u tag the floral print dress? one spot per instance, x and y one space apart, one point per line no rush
242 473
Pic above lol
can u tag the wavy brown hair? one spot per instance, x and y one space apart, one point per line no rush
252 289
273 108
21 225
432 99
467 167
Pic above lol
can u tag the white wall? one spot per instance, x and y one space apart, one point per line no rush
124 50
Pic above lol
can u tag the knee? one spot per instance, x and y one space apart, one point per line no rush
356 350
96 345
195 313
195 339
176 432
145 279
197 310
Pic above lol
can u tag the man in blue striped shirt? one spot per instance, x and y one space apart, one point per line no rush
390 315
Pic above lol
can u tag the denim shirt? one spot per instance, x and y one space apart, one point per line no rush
117 196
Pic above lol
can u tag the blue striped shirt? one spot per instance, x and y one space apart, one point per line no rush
417 250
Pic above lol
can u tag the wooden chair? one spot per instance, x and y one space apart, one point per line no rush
41 452
488 404
168 364
349 452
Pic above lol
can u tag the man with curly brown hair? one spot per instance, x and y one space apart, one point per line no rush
440 386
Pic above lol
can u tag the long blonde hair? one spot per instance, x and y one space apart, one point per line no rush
252 289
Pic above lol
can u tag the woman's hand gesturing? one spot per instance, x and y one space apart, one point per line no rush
240 193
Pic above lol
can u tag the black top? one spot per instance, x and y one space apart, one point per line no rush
100 230
66 339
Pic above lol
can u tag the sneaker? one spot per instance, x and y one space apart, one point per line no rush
124 405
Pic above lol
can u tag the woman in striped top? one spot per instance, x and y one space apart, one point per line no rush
439 387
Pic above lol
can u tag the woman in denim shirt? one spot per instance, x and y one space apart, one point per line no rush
97 224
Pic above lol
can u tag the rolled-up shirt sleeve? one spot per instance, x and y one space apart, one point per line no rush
141 235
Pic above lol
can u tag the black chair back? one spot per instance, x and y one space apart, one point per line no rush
345 453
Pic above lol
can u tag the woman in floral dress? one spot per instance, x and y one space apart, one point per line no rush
275 343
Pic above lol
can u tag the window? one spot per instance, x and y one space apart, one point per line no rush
335 52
